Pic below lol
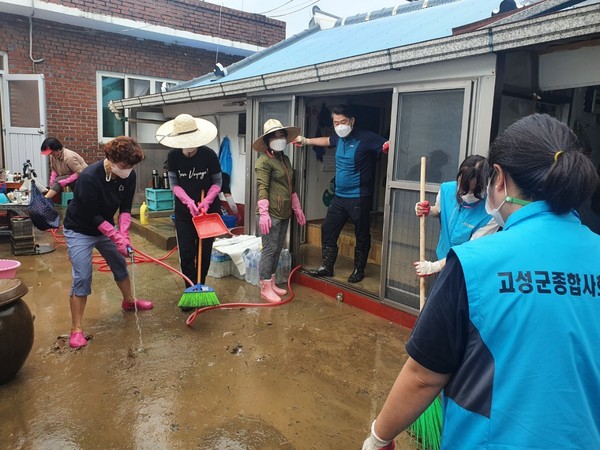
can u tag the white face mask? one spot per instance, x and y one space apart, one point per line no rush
121 173
495 212
278 145
469 198
343 130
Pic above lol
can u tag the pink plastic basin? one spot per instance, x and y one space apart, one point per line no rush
8 268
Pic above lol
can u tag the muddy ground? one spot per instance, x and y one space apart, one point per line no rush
311 374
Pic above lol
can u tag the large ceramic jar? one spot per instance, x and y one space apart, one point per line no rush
16 328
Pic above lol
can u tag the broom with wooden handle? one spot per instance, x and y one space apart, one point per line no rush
427 429
198 295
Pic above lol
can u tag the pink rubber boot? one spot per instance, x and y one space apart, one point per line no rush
142 305
266 292
276 289
77 339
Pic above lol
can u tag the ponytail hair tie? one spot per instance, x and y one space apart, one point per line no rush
557 154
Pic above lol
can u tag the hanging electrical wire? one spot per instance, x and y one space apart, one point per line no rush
310 3
280 6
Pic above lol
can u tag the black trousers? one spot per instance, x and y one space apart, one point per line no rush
340 210
187 241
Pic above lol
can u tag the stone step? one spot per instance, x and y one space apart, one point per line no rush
160 229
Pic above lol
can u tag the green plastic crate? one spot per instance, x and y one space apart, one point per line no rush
159 199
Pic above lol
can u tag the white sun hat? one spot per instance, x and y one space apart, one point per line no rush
271 126
185 131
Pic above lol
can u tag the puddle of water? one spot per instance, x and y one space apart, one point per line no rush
140 348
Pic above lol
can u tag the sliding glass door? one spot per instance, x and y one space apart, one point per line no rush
431 121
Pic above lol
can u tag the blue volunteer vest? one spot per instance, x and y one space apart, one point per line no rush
457 222
530 376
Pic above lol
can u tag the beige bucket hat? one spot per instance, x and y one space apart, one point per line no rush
185 131
270 126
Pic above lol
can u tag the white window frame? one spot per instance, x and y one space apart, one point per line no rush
154 81
4 65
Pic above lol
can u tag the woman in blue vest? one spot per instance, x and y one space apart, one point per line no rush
510 330
460 205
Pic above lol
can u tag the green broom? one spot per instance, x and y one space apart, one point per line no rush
427 429
198 295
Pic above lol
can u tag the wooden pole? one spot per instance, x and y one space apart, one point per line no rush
199 257
422 232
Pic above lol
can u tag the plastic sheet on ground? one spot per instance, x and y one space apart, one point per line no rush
235 247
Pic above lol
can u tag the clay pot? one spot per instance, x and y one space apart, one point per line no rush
16 328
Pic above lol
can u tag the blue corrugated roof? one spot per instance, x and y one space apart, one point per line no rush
411 24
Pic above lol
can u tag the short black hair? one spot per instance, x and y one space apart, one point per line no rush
544 159
343 110
52 143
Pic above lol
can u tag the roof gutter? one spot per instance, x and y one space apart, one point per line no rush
584 21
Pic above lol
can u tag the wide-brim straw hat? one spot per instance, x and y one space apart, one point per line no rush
270 126
185 131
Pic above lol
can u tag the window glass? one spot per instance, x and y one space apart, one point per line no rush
112 89
137 88
402 284
24 103
429 124
119 87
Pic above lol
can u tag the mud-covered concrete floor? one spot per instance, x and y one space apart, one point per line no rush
311 374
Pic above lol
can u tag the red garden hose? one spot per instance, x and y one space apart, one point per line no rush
192 318
165 265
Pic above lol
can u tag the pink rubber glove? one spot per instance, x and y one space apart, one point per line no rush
386 147
300 218
264 220
210 197
186 200
124 225
422 208
109 231
68 180
53 176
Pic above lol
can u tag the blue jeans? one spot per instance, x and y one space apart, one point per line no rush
80 247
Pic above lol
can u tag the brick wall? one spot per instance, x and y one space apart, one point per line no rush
73 55
190 15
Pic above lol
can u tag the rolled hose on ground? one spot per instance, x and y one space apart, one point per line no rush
192 317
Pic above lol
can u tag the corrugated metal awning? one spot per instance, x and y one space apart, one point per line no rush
415 37
409 25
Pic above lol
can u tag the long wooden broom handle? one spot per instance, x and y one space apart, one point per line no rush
200 247
422 232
